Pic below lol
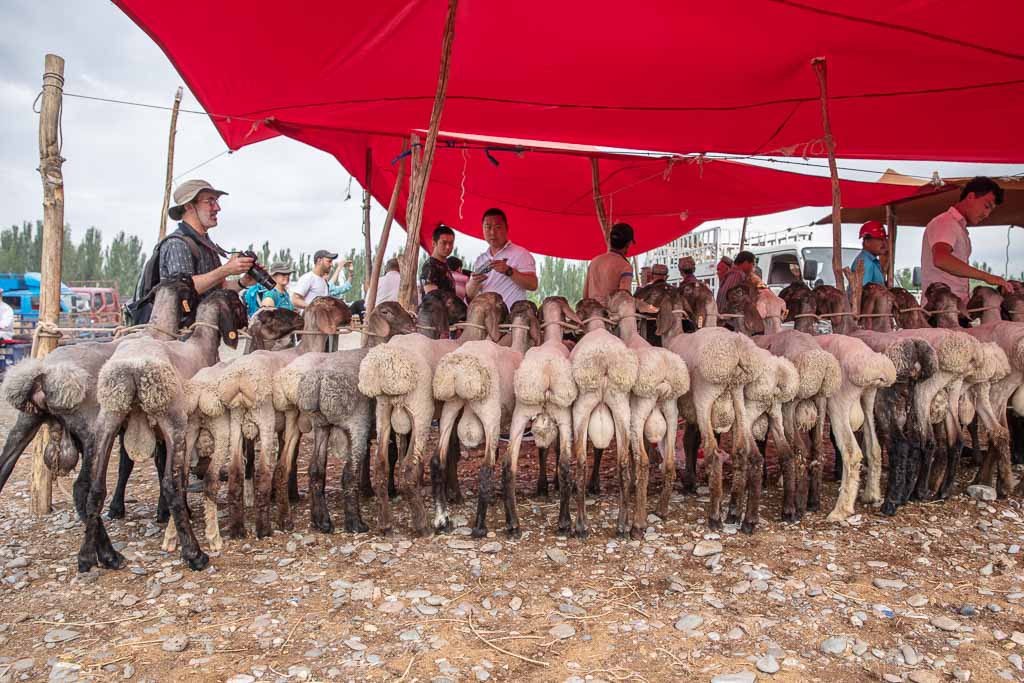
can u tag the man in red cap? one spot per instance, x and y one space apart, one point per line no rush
875 242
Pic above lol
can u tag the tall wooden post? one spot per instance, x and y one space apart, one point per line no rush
420 175
743 233
890 266
366 216
170 163
382 245
602 216
50 164
821 71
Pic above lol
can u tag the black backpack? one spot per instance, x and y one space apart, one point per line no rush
138 310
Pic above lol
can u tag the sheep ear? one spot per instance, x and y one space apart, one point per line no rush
535 330
492 326
666 319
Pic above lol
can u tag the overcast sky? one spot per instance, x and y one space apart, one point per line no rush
281 190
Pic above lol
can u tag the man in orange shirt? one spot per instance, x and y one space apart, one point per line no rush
611 271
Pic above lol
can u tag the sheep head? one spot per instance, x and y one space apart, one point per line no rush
325 314
946 307
389 319
271 324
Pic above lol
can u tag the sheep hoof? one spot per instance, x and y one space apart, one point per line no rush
237 532
715 524
689 487
636 533
386 531
836 516
479 532
444 527
162 515
264 532
813 505
542 491
662 510
515 533
356 526
732 518
112 560
286 523
455 498
593 489
199 562
324 526
85 566
116 511
790 517
217 544
580 532
564 529
889 508
747 528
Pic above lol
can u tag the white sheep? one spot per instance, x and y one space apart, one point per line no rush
864 372
662 379
246 388
605 371
399 375
477 381
721 363
143 384
545 392
820 376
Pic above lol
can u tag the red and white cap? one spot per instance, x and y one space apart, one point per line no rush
873 229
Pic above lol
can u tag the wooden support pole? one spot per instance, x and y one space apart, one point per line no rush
366 217
602 216
50 170
170 163
821 71
382 245
890 264
420 170
743 233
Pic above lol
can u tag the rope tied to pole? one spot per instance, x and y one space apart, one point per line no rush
561 323
474 326
603 319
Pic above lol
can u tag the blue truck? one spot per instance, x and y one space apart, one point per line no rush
21 292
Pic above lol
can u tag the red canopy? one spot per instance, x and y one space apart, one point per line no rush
908 80
547 190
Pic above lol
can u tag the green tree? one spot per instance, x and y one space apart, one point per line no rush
123 261
560 277
88 258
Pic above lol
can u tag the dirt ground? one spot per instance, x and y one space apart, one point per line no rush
933 594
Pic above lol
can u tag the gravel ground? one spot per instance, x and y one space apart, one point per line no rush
934 594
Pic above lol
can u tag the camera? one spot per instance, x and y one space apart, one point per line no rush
258 272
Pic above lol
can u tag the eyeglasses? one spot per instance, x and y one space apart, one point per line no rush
210 202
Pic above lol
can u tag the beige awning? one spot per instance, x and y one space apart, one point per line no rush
920 210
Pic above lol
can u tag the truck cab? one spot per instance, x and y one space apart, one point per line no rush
784 264
103 303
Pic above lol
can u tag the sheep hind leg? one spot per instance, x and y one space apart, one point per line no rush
581 412
953 449
211 483
380 473
125 466
413 468
594 485
439 467
691 441
485 490
619 406
838 415
452 489
542 473
265 464
668 447
641 476
96 547
18 439
898 461
236 477
563 472
354 454
509 471
286 465
319 514
814 464
172 428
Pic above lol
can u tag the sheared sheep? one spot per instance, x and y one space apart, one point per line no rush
60 390
143 384
662 379
477 381
246 388
820 377
545 391
864 372
399 375
604 371
208 415
323 388
721 363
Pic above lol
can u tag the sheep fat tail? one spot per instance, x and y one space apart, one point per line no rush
387 370
19 382
462 375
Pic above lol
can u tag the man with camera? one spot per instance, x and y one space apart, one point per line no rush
189 250
314 283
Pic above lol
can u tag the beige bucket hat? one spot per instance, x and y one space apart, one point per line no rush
186 192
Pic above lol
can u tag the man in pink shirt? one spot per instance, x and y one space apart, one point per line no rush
946 248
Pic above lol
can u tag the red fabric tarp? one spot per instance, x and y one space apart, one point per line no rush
548 194
935 79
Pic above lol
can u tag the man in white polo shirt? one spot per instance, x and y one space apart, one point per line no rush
946 249
505 268
313 284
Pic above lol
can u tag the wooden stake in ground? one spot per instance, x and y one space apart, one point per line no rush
382 245
602 216
890 264
421 168
50 170
366 217
743 233
170 163
821 71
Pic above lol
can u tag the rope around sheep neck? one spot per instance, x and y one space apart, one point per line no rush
560 323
